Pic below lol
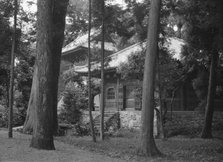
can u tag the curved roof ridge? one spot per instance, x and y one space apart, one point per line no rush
127 48
81 39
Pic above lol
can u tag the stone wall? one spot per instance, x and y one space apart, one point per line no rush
85 116
130 119
181 122
193 116
190 123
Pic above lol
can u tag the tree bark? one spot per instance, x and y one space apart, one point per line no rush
31 117
147 143
171 103
209 110
90 97
11 87
102 100
42 109
160 124
59 14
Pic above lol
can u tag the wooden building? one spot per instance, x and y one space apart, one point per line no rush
120 94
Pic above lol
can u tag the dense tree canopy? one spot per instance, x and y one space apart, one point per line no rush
24 57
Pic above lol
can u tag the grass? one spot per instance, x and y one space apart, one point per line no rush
124 145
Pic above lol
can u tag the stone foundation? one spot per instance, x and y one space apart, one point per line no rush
130 119
85 116
184 119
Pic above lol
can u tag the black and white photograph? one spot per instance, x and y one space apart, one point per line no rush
111 81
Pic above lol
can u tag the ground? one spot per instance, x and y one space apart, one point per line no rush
17 149
122 146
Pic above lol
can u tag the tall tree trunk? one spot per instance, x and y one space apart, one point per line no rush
160 127
102 100
207 129
11 87
42 110
148 146
59 14
31 116
90 104
171 102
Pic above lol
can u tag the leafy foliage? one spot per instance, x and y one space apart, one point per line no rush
74 102
200 25
77 14
134 67
5 47
18 118
170 70
24 62
24 70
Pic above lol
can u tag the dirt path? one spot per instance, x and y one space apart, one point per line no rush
17 149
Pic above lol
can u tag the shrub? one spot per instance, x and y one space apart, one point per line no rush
74 100
81 130
113 123
184 125
17 118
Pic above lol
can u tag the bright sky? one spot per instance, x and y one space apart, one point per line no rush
33 8
27 7
120 2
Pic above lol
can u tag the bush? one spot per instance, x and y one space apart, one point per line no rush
17 118
113 124
74 102
185 125
21 103
81 130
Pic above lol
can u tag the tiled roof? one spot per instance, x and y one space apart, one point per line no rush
122 56
115 59
174 46
82 40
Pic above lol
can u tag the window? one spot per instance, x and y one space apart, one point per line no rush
111 93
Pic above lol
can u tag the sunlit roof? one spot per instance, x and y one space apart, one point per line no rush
82 41
174 47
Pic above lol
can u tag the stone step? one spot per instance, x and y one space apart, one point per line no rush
107 116
98 122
